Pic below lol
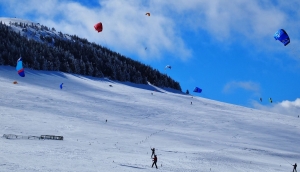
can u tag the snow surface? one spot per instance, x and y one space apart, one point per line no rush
203 136
33 30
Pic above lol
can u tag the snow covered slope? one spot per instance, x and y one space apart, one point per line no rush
33 30
203 136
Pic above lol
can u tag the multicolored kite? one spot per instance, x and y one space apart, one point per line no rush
20 68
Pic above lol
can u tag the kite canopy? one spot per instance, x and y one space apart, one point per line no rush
148 14
98 27
197 90
20 68
282 36
168 66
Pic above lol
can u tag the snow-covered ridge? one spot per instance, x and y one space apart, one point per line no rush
7 20
32 30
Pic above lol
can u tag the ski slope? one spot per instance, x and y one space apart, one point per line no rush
205 136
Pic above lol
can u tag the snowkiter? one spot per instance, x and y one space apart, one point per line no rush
153 152
154 161
295 166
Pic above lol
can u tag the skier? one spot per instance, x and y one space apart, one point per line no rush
295 166
153 152
154 161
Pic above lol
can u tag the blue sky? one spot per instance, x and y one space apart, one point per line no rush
227 49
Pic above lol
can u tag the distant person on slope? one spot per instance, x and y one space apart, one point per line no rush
295 166
153 152
154 161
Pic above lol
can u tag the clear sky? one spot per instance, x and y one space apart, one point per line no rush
227 49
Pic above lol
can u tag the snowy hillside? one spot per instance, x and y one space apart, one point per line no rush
203 136
33 30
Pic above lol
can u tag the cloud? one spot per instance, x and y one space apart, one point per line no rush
128 30
248 85
126 27
287 107
249 23
290 104
252 19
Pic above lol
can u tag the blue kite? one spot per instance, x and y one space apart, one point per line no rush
282 36
197 90
20 68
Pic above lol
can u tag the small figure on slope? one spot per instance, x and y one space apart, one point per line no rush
154 161
295 166
153 152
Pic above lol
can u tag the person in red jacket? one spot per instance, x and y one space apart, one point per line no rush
154 161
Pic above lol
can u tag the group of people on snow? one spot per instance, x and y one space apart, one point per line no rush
154 157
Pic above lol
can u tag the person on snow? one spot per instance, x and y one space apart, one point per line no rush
154 161
153 152
295 166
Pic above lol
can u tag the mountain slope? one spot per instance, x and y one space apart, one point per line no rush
204 136
43 48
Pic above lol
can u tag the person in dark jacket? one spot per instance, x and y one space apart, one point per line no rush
153 152
295 166
154 161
